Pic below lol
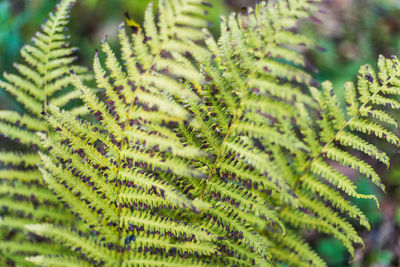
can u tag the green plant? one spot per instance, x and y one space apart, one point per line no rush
42 81
212 152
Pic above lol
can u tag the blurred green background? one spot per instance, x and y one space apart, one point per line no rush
353 32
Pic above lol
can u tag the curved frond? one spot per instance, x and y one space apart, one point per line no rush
325 191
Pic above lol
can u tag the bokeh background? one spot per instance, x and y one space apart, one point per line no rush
353 32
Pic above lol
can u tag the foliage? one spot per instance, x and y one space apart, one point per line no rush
42 80
205 152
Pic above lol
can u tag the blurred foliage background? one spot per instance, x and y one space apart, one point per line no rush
351 32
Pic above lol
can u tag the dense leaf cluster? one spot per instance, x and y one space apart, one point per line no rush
204 152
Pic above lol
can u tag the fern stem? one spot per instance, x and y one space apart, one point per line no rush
126 124
219 154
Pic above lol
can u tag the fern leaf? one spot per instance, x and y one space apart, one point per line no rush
243 103
139 260
57 261
296 248
338 131
144 163
40 80
88 247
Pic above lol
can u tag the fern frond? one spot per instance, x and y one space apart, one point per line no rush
295 247
164 225
16 247
233 69
42 79
19 159
57 261
113 173
154 261
242 107
338 136
86 245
